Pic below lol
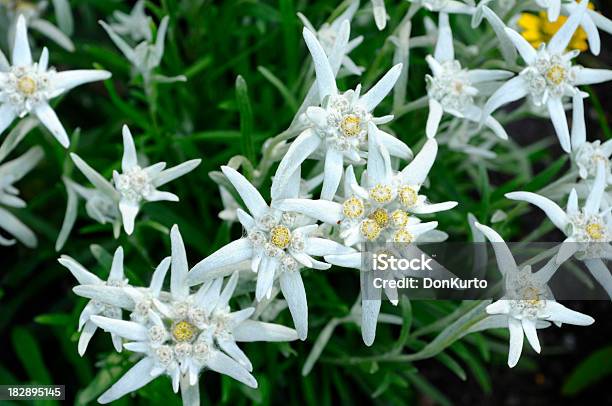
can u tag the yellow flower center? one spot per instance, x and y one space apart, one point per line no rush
183 331
407 196
403 236
595 231
280 236
381 217
351 125
26 85
352 208
537 30
399 218
556 74
370 229
381 193
532 296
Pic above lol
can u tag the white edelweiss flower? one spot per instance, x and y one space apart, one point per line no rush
588 229
591 22
136 24
527 304
32 11
135 185
446 6
27 86
587 155
96 307
338 129
380 210
186 333
452 89
328 34
549 76
11 172
279 243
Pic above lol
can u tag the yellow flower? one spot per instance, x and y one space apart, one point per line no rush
537 30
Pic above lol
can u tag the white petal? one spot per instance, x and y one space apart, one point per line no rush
323 210
116 272
334 166
531 333
572 203
498 307
600 272
7 115
251 330
22 55
230 254
505 260
593 202
568 248
292 189
395 146
52 32
322 246
250 196
49 119
380 14
512 90
111 295
381 89
70 79
295 295
560 313
444 46
179 266
301 148
19 230
129 211
528 53
433 119
505 44
228 345
120 43
129 159
137 377
228 291
557 115
88 331
265 276
82 275
592 34
587 76
417 170
126 329
326 80
94 177
345 260
379 162
552 209
433 208
516 341
175 172
369 319
562 37
578 124
488 75
159 196
223 364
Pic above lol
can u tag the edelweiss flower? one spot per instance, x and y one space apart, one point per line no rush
588 230
527 301
381 210
452 89
32 12
328 33
96 307
11 172
278 243
179 333
27 87
549 76
137 25
337 129
135 185
587 155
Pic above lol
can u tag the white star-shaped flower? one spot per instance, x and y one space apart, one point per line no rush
135 185
549 76
588 229
136 24
26 87
527 303
337 130
278 244
452 88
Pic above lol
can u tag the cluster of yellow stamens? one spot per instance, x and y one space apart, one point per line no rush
26 85
351 125
399 218
381 217
183 331
556 74
595 231
381 193
403 235
353 207
280 236
407 196
370 229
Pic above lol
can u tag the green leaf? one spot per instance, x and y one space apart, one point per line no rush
596 367
246 119
28 352
54 319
